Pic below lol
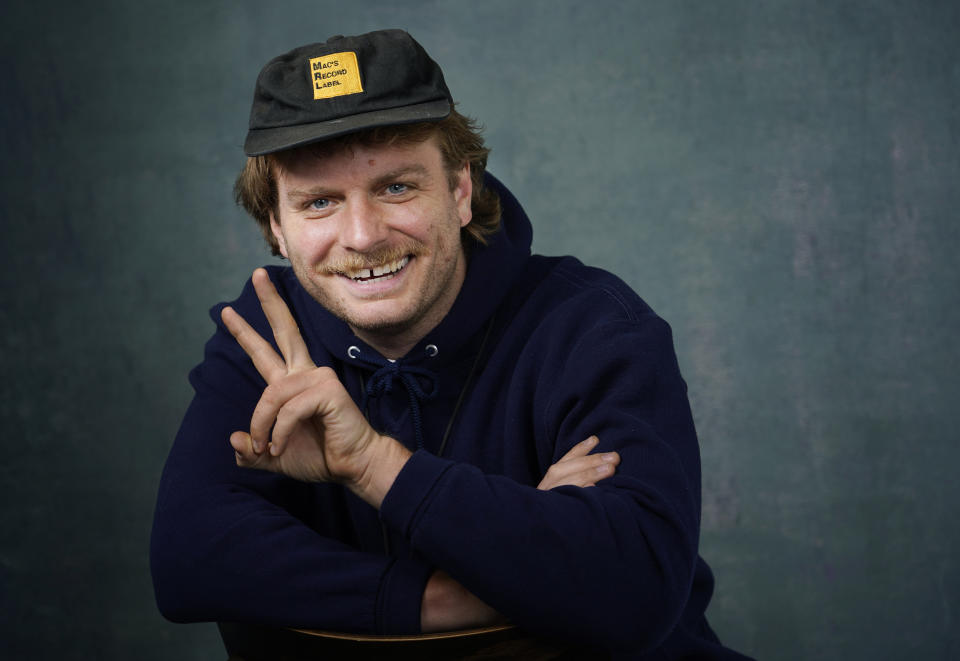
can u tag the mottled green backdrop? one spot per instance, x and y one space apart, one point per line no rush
779 179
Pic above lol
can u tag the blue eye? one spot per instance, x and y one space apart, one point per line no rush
397 189
320 205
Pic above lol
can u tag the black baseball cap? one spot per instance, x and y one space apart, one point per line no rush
343 85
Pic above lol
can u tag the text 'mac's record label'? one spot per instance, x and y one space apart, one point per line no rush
336 74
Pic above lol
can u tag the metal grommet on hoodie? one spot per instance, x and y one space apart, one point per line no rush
431 350
353 351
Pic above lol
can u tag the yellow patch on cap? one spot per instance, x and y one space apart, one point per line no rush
337 74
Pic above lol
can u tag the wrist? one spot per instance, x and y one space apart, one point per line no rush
381 461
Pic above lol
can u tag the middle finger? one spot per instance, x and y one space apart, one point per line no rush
285 329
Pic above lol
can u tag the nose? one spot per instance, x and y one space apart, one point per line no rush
363 225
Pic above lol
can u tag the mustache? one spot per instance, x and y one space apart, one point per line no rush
356 261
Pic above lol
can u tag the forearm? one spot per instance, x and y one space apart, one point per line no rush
237 557
593 564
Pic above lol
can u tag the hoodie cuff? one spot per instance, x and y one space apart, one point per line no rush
401 597
406 498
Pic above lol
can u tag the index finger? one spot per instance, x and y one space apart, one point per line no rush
581 449
265 359
285 329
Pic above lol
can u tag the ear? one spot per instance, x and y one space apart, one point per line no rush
463 195
278 235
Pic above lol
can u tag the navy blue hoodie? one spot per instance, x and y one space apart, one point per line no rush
540 353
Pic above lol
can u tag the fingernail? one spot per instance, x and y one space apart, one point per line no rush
610 456
604 468
274 450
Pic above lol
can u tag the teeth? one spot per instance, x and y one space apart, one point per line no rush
379 271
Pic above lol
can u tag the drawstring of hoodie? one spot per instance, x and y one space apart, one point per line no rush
387 373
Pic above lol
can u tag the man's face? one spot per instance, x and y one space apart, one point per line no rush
373 234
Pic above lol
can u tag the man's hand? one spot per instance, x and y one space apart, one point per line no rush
580 468
318 433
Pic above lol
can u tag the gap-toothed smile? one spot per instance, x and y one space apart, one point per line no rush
382 271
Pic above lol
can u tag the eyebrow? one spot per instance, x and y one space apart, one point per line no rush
311 193
413 169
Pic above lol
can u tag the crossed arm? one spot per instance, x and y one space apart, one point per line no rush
306 426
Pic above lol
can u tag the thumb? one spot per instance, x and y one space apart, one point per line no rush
246 456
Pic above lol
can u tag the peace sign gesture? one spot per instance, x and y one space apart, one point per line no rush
318 433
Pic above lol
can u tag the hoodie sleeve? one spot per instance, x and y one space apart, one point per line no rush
613 563
230 544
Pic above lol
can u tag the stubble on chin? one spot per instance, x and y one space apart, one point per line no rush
312 281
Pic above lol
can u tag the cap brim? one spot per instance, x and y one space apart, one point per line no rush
267 141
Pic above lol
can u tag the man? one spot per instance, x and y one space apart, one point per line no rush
408 454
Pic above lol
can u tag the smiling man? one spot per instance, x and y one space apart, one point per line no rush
373 234
418 425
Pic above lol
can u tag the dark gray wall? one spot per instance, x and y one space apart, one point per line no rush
778 179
